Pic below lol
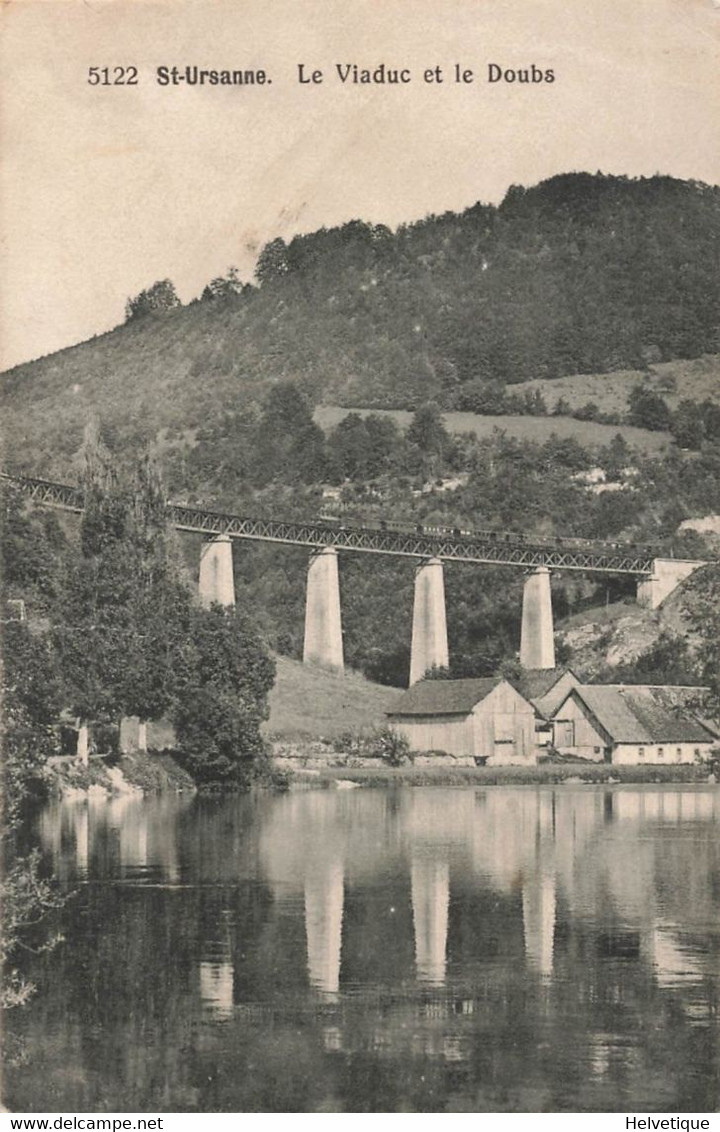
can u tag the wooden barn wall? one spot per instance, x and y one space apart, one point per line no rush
451 733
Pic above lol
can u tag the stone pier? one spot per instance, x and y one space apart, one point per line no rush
323 644
429 630
667 574
217 585
537 647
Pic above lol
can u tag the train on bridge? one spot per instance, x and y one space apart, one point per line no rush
479 534
318 531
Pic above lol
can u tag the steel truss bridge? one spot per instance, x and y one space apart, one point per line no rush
480 547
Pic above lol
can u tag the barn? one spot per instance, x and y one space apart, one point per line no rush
633 724
477 720
546 688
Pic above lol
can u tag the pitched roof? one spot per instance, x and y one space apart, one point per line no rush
645 713
534 683
444 697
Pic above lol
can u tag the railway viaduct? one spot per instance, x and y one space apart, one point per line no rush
323 645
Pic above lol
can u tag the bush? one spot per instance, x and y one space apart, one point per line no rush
392 747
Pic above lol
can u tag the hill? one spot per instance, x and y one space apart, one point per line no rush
579 275
588 434
308 703
697 379
624 641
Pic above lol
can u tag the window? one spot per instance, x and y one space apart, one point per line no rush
661 752
641 752
697 752
596 750
678 754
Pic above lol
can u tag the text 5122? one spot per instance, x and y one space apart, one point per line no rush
112 76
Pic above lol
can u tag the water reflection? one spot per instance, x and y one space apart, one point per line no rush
419 950
430 884
323 925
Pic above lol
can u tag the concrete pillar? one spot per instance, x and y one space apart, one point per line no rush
216 583
429 647
323 627
430 882
83 743
324 898
133 734
537 648
667 575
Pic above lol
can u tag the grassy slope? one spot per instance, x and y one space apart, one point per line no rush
695 380
310 703
537 429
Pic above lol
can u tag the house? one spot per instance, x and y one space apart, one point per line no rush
632 724
546 688
477 720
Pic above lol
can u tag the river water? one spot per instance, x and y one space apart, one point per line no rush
400 950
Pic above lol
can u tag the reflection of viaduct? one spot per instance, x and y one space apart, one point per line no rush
323 630
537 845
546 857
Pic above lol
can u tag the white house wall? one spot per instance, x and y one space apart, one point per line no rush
660 754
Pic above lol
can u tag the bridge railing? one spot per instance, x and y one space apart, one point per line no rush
482 548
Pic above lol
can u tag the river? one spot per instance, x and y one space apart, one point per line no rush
391 950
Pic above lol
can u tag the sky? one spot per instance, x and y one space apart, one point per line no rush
106 189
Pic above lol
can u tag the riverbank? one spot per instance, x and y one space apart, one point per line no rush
146 772
543 774
151 772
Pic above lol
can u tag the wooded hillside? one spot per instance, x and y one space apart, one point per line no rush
580 274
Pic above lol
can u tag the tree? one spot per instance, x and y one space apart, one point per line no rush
711 420
289 446
273 262
687 425
32 701
428 435
31 705
647 409
363 448
224 678
158 299
225 286
119 619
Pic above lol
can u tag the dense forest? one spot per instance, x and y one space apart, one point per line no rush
582 273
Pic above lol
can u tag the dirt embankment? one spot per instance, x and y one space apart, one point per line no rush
144 772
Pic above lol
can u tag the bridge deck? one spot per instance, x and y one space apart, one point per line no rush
481 548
